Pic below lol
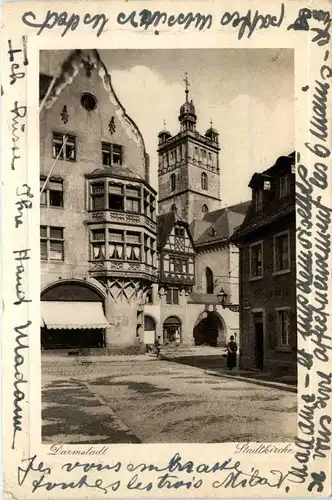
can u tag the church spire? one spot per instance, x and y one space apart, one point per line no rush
187 86
187 116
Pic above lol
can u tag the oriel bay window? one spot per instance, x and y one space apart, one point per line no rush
51 243
105 195
121 245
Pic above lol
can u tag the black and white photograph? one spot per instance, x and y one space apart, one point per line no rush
167 246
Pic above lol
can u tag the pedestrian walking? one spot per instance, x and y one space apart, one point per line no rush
231 353
157 346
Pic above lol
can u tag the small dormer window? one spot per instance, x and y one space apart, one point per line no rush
258 199
284 187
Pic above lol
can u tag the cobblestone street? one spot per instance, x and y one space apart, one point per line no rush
148 400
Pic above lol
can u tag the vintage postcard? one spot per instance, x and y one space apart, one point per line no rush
166 256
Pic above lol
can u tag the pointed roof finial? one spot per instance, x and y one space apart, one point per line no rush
164 124
187 85
211 122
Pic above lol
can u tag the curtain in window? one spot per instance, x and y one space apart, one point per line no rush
111 250
137 253
119 251
99 251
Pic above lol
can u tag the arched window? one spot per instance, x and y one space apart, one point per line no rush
209 280
205 209
204 181
173 182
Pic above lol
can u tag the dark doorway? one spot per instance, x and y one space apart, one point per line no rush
259 340
207 331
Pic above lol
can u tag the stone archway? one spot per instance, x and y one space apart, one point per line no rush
149 330
209 329
172 330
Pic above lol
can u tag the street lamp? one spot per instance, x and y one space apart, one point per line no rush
222 299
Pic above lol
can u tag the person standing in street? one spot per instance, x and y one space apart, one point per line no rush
231 353
157 346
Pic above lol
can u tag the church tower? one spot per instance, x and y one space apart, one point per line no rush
188 167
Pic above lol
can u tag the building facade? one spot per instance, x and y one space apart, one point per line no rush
266 240
98 212
114 274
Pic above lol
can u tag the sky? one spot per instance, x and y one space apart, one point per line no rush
247 93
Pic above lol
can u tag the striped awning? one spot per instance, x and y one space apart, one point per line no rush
73 315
